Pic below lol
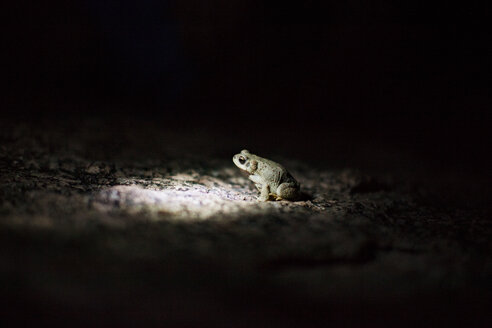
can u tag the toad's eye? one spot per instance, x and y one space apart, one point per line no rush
242 160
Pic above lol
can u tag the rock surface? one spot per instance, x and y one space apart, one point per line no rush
137 224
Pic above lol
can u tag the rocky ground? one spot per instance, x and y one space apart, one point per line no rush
132 223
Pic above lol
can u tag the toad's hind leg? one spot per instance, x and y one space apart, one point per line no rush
287 190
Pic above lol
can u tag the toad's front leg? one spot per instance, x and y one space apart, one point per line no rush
265 193
257 181
262 187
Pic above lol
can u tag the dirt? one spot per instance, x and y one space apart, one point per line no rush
132 222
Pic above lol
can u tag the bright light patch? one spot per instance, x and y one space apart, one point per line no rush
181 197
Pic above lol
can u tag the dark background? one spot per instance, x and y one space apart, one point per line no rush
411 74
